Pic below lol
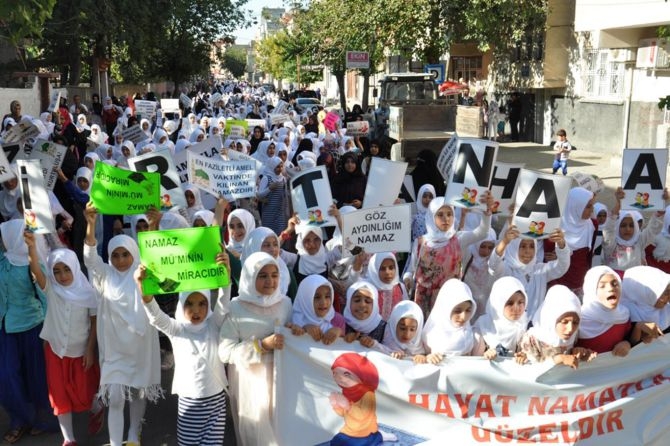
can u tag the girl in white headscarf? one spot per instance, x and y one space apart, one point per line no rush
193 200
247 343
361 314
203 218
382 272
658 255
437 256
46 119
423 199
199 376
505 321
606 324
515 256
265 240
403 335
624 243
312 257
128 344
554 335
476 272
197 135
127 152
646 293
239 224
272 191
313 310
70 337
8 195
448 331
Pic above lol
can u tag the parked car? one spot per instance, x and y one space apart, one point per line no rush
302 104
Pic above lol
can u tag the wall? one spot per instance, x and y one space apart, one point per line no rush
29 98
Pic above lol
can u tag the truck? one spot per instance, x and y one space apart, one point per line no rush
413 115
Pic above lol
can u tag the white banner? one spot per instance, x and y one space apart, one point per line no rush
161 161
540 202
12 150
503 186
209 147
35 198
55 101
230 179
380 229
134 134
255 122
22 131
279 118
234 155
49 154
146 109
281 107
470 400
472 170
445 162
311 197
169 106
6 172
643 178
358 128
384 182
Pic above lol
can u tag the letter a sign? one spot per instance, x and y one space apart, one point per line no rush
540 202
643 178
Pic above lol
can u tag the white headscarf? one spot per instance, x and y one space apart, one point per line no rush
270 166
261 153
420 208
440 335
253 242
336 239
120 287
310 264
247 287
410 310
134 219
368 325
9 197
493 325
662 240
512 259
558 301
181 145
578 231
16 249
598 207
205 215
596 318
79 292
172 220
193 137
373 271
249 224
479 262
85 172
642 287
636 234
303 306
179 312
434 236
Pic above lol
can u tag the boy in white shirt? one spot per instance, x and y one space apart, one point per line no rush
562 149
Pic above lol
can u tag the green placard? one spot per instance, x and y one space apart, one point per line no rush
182 260
124 192
236 128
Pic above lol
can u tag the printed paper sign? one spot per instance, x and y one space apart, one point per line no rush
445 162
6 173
185 101
379 229
170 106
503 186
251 123
540 202
55 101
123 192
472 171
161 161
230 179
35 198
234 155
643 178
50 155
588 181
607 401
311 197
182 260
134 134
11 151
331 120
209 147
22 131
358 128
384 182
281 107
276 118
236 129
145 109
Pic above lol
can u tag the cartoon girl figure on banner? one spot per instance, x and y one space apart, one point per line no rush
358 377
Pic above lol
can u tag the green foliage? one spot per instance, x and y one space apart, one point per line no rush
20 19
664 102
235 61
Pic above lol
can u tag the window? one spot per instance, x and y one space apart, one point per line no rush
603 78
468 68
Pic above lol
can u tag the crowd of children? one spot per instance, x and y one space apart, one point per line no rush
83 337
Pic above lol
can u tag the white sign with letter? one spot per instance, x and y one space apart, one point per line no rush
384 182
503 186
471 173
161 161
643 178
540 202
311 197
35 198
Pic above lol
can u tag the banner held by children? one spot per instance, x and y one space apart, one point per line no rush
503 186
380 229
385 179
145 109
311 197
540 202
24 130
358 128
182 260
49 154
210 147
472 170
643 178
230 179
123 192
35 199
161 161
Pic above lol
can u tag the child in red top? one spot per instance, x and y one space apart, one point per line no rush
383 274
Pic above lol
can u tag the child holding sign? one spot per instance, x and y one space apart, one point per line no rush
199 376
128 344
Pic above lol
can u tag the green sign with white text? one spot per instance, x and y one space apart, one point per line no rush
123 192
182 260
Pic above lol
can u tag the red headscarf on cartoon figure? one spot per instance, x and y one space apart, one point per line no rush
364 369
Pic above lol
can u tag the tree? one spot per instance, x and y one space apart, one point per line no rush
235 61
21 20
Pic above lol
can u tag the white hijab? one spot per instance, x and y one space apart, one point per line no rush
303 306
662 240
434 236
249 224
179 312
410 310
16 249
636 234
642 287
440 335
247 287
310 264
420 208
578 231
373 271
204 215
493 325
85 172
373 320
596 318
79 292
558 301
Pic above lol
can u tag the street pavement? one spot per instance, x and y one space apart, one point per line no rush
161 419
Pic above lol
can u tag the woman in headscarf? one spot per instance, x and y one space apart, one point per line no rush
350 182
272 192
257 136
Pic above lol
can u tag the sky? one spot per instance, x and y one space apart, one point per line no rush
244 36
